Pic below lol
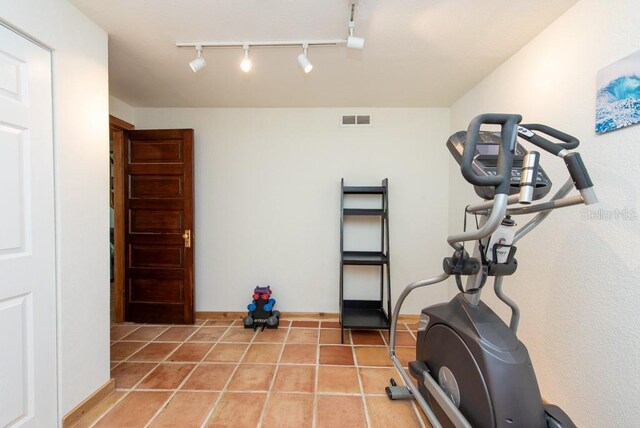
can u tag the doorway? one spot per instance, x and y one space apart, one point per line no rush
117 128
152 205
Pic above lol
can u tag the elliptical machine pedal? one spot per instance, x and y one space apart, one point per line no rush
395 392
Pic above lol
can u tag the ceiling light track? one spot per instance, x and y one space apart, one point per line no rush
263 44
245 65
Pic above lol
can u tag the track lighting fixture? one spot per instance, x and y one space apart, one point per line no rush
199 63
245 64
303 60
354 42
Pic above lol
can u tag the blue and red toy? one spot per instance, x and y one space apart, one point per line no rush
261 313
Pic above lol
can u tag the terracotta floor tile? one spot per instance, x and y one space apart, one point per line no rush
135 410
384 413
405 355
299 354
190 352
375 380
128 374
186 410
338 380
412 326
295 379
236 334
372 356
252 377
166 376
218 323
145 333
330 324
155 351
176 334
333 337
208 334
273 335
284 323
303 335
305 324
403 338
122 350
92 415
119 331
237 410
288 410
336 355
263 353
366 337
226 352
210 377
340 411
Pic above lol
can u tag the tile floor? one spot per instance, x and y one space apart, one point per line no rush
218 374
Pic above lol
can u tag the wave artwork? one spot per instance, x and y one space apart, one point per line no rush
618 97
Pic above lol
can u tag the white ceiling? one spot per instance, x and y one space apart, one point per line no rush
422 53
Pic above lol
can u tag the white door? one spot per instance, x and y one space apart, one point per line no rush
28 392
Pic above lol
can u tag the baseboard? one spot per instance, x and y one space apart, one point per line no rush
291 316
71 418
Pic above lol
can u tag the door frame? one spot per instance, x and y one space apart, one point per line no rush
118 127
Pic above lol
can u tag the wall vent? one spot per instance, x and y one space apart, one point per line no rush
356 120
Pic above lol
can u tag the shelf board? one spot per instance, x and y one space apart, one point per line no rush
364 258
364 318
363 211
363 190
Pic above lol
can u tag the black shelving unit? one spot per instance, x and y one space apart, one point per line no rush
366 314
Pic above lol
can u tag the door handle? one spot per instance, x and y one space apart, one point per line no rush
187 238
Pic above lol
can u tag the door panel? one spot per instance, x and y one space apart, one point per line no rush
28 391
159 210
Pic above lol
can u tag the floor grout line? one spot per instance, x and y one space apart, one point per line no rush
363 397
226 385
273 380
186 378
314 406
133 388
269 394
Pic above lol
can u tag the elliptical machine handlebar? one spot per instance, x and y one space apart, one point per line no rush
569 142
509 132
500 181
573 161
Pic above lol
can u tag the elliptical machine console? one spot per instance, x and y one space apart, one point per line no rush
485 162
471 368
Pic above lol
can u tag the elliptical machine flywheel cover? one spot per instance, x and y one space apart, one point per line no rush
446 354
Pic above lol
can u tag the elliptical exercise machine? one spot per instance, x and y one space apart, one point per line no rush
471 369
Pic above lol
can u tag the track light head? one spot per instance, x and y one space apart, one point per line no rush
355 42
245 64
303 60
352 41
199 63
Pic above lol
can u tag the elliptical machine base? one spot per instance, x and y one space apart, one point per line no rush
473 355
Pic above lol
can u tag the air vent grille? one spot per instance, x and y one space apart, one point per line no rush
356 120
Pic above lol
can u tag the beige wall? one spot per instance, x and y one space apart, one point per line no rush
268 194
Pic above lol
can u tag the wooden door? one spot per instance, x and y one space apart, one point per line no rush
159 226
28 385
